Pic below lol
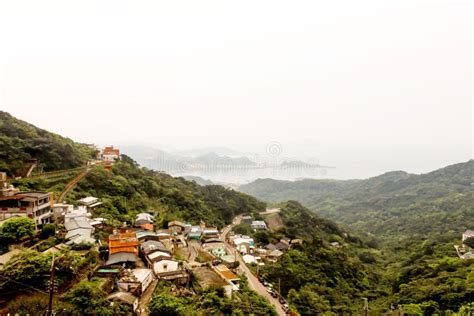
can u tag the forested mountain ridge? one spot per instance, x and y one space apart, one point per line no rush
414 220
395 202
20 142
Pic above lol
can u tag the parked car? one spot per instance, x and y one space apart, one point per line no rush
282 300
286 308
274 294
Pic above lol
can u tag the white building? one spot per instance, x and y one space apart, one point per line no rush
90 202
258 225
244 244
158 255
165 265
136 280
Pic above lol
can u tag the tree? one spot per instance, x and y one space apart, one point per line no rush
48 230
16 229
164 304
88 299
243 229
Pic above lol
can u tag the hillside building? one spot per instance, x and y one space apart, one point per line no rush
34 205
258 225
110 154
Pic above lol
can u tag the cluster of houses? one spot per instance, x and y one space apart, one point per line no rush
153 248
252 254
139 255
78 221
198 232
211 242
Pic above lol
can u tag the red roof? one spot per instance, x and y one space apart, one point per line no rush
111 151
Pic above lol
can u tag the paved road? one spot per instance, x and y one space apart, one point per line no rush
254 283
270 211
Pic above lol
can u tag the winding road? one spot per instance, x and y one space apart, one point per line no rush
254 283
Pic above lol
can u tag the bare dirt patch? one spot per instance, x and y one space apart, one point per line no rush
208 278
274 221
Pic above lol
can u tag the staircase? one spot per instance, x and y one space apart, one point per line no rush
72 183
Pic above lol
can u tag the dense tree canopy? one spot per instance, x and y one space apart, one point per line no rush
15 229
21 142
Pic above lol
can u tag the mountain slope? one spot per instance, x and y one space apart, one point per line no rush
319 278
393 203
20 142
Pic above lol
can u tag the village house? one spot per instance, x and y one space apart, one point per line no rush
165 266
244 244
34 205
274 255
270 247
79 230
135 281
123 241
282 246
143 219
89 202
159 259
151 246
157 256
195 233
162 235
59 212
110 154
230 277
145 235
123 247
176 227
210 233
258 225
249 259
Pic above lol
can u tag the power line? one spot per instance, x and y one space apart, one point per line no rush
23 284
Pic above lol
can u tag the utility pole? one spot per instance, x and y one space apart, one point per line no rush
51 289
366 306
279 287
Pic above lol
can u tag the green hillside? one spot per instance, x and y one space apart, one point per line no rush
393 203
414 222
20 142
318 278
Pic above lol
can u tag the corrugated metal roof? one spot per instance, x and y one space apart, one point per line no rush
152 245
122 257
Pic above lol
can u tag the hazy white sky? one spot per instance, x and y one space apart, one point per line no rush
366 85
